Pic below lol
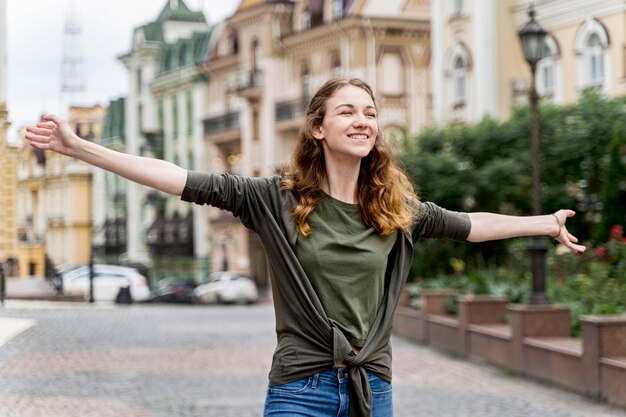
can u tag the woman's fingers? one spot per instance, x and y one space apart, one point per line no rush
39 130
46 125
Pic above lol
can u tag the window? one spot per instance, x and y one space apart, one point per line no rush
458 70
595 59
139 81
161 114
189 111
457 8
175 117
391 69
254 53
335 64
546 69
182 55
306 19
337 9
592 42
459 76
306 82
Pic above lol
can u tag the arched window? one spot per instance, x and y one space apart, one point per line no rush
547 69
305 21
591 45
458 70
254 53
459 76
337 9
595 60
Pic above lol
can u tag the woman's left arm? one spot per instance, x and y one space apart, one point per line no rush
490 226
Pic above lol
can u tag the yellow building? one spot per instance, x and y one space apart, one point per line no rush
30 214
54 201
8 182
479 70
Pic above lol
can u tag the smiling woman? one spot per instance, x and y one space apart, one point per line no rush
338 228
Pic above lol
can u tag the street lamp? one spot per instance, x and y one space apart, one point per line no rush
533 38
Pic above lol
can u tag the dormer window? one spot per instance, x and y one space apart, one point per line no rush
457 8
337 9
306 19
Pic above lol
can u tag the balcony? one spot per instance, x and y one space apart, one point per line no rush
291 109
226 123
247 84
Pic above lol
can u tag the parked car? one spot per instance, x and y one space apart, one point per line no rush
109 282
174 290
226 287
57 273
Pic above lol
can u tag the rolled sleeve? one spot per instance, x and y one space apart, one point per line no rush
436 222
242 196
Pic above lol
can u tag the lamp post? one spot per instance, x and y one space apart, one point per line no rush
532 36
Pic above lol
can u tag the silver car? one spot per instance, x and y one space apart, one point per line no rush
226 287
109 280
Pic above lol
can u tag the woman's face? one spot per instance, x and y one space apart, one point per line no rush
350 126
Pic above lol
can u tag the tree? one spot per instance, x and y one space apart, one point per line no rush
613 191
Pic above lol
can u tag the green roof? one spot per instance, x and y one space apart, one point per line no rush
189 51
153 31
180 14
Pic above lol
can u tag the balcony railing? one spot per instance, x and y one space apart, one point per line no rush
290 109
220 124
246 80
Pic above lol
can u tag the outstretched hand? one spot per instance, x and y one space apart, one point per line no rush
53 134
565 237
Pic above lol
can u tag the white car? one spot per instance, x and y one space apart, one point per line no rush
226 287
108 280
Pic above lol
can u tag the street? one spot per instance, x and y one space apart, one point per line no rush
75 359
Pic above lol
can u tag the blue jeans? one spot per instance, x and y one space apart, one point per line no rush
324 395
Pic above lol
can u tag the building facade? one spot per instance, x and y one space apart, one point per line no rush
8 164
478 67
54 201
270 58
109 191
162 118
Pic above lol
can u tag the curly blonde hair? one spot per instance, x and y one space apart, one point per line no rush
386 198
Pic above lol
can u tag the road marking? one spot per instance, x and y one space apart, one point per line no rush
9 328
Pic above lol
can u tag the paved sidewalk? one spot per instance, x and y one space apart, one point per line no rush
34 288
198 361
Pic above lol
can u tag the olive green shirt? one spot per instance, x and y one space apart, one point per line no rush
345 260
307 340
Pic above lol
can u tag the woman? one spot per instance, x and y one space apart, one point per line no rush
338 229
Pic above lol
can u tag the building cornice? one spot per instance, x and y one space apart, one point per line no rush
381 27
148 49
225 63
174 80
552 14
258 13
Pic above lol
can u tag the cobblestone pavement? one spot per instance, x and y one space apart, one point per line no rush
191 361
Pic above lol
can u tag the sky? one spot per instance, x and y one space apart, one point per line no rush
35 50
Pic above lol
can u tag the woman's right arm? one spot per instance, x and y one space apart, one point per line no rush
56 135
